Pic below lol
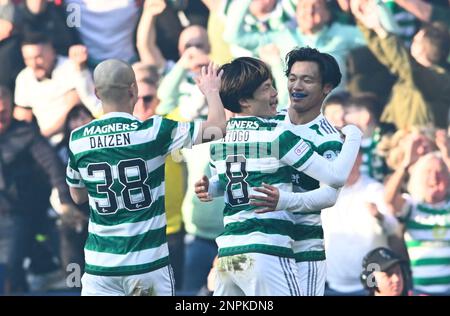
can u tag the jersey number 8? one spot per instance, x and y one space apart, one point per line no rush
237 187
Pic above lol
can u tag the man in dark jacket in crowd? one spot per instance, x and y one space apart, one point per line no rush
25 153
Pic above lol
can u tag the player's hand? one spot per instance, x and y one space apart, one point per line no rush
209 79
267 202
78 54
350 129
201 189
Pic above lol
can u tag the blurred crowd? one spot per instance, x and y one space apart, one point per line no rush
395 88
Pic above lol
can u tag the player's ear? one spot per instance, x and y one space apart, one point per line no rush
96 93
244 104
327 88
133 90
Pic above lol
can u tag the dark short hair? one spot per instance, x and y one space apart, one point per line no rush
35 38
240 79
328 66
436 42
368 101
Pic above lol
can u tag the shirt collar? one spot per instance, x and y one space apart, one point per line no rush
118 114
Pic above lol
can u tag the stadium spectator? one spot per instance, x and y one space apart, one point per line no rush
177 88
10 56
73 230
45 17
421 94
424 212
26 160
253 20
359 218
315 28
428 12
333 108
363 110
384 273
107 28
51 85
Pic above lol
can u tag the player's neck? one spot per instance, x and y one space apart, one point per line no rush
110 108
304 117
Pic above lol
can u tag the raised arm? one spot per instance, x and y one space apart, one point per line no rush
275 199
393 195
146 34
209 83
420 9
82 80
334 173
387 48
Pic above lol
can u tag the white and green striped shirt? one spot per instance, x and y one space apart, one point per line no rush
254 151
326 141
427 238
120 161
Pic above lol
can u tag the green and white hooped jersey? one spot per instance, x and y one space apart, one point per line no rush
254 151
120 161
327 142
427 238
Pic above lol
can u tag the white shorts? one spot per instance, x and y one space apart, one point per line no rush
256 274
312 275
155 283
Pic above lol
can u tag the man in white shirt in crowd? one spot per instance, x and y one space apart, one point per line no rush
51 85
356 224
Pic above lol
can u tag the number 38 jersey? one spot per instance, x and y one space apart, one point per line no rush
120 161
254 151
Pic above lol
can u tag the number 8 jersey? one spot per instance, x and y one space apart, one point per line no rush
254 151
120 161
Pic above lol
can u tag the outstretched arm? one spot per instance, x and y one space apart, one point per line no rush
334 173
279 200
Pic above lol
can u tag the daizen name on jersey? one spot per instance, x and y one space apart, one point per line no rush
101 141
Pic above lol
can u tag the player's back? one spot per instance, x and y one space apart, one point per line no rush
120 161
248 156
